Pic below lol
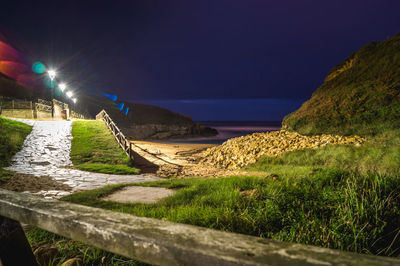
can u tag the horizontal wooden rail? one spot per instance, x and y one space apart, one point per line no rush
165 243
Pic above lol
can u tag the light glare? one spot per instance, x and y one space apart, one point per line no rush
52 74
62 86
74 100
69 94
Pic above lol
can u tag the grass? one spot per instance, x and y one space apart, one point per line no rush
95 149
12 136
341 197
69 249
328 208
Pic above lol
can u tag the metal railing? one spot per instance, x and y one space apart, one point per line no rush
155 241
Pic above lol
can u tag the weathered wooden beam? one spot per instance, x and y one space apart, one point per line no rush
166 243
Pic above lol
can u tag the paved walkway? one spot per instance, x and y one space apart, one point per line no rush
46 153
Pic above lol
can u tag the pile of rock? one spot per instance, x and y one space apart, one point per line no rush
239 152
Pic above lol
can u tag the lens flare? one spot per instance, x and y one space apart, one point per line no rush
49 83
13 65
7 53
38 67
13 69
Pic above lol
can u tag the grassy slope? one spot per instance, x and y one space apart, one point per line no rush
359 96
95 149
12 136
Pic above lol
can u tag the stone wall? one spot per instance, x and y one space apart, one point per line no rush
43 115
19 113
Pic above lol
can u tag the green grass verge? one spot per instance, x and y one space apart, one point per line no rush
95 149
12 136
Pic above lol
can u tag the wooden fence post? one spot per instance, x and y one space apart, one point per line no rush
14 247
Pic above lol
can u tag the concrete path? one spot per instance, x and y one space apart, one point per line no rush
46 153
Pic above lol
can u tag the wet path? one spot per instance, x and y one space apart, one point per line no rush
46 153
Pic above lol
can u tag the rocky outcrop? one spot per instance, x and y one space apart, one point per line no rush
153 122
239 152
162 131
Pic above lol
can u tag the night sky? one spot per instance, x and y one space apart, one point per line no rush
203 58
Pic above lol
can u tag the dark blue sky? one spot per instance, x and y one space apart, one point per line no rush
181 49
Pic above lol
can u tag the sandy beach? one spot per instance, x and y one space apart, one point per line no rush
178 160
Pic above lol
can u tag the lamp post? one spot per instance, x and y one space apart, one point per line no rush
69 95
74 101
52 75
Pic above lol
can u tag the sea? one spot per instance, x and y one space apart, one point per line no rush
227 130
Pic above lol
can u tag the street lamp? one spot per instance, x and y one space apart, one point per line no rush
69 94
74 100
52 75
62 86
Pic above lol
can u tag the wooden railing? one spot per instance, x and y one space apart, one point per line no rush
154 241
39 107
123 142
61 104
15 104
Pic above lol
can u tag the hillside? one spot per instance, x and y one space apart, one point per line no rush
10 88
146 121
359 96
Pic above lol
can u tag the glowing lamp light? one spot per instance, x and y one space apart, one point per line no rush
52 74
62 86
69 94
74 100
